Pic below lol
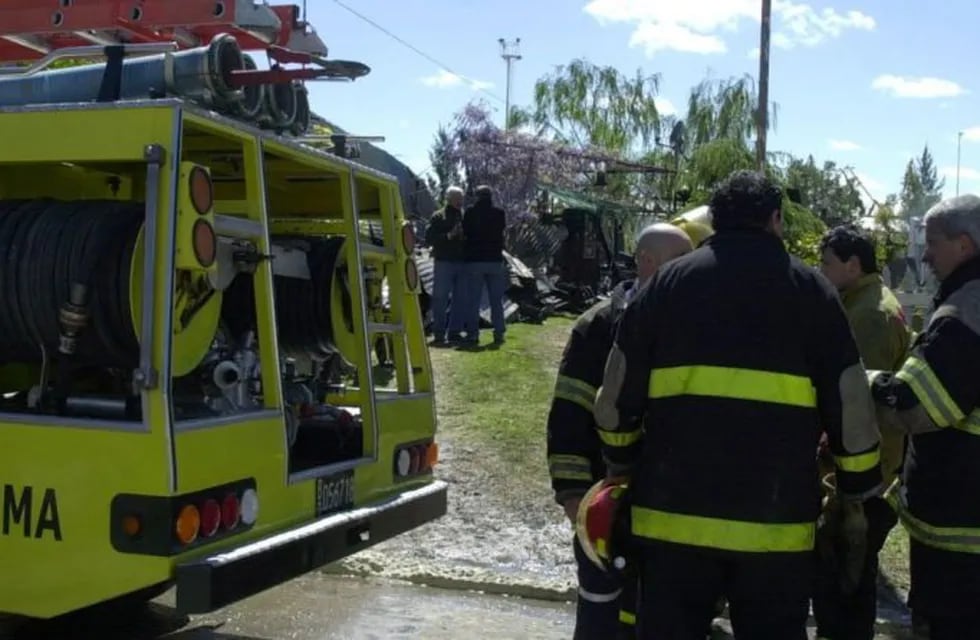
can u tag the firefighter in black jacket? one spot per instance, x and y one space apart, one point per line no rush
574 456
935 398
724 371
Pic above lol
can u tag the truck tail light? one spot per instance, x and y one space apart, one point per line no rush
210 518
230 512
415 459
250 507
197 518
188 524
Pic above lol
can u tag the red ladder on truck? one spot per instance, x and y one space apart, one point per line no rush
31 29
40 31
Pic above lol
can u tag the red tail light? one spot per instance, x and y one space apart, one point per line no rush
210 518
230 512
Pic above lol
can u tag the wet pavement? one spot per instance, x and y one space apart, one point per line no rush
321 607
329 607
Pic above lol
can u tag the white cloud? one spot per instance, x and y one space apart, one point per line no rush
808 27
966 173
444 80
844 145
972 134
910 87
695 26
665 107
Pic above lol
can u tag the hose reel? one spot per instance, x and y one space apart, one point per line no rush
72 283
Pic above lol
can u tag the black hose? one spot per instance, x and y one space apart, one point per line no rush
303 314
46 246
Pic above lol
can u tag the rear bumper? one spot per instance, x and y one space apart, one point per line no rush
219 580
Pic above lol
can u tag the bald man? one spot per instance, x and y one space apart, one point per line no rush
605 607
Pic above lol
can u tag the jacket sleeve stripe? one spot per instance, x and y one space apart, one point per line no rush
569 467
620 438
926 386
727 382
575 390
715 533
859 462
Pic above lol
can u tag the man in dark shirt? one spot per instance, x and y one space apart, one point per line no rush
445 236
483 251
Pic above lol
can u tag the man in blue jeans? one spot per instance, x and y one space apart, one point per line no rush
483 252
445 236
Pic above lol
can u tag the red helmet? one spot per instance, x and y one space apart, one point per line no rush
601 524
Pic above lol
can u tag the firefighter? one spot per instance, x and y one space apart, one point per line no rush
574 458
845 606
723 371
935 398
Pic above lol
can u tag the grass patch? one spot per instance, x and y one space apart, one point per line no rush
894 558
499 397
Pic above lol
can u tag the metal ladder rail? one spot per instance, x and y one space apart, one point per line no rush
363 329
397 285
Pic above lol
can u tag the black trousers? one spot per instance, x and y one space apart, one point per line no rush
945 591
852 617
606 603
768 593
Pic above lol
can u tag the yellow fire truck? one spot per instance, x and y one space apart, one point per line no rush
191 300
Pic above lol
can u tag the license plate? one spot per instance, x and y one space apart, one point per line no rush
335 493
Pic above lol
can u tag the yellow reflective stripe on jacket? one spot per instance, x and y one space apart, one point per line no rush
569 467
575 390
860 462
729 382
958 539
919 376
715 533
627 617
619 438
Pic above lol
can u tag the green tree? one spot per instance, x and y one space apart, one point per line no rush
443 164
921 185
588 105
722 109
890 237
828 191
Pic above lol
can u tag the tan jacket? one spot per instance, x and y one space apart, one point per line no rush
883 339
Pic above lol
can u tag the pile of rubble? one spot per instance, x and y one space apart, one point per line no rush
535 287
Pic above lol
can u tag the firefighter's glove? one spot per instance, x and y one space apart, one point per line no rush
853 543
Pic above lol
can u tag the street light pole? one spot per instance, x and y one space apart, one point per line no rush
763 112
509 52
959 145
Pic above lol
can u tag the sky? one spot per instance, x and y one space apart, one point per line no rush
866 83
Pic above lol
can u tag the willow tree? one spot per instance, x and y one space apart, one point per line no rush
588 105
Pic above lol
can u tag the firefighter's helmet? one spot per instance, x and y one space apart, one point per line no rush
700 214
696 231
601 524
696 223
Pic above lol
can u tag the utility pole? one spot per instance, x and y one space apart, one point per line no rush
762 121
959 144
509 51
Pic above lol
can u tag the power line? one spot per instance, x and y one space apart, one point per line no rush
442 66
